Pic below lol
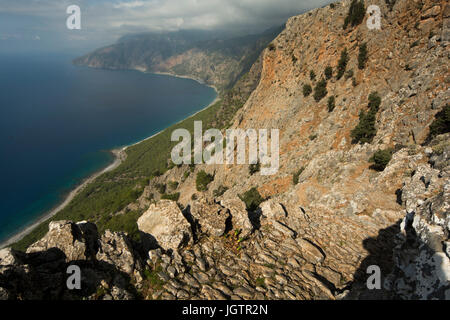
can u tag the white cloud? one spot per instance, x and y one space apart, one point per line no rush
104 21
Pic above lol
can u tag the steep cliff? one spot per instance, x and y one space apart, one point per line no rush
363 177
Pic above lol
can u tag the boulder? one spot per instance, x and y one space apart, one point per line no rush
116 250
239 215
76 240
272 210
164 225
211 217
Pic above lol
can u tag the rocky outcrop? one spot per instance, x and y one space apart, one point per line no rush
109 266
75 240
239 215
164 225
422 254
211 217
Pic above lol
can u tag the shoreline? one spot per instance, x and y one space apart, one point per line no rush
119 154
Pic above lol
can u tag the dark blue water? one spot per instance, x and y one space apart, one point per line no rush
58 121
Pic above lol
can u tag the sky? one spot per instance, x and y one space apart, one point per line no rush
40 25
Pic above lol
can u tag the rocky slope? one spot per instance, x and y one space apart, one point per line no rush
314 236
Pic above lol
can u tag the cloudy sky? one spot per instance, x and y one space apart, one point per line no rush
41 24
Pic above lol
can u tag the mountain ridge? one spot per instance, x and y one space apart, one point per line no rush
209 59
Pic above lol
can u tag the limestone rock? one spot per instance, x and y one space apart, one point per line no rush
75 240
239 215
211 217
272 210
163 224
115 249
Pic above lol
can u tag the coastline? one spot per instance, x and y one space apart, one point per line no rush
120 156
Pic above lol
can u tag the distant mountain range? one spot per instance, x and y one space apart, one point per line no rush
210 58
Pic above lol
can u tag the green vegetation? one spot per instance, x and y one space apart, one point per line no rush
365 131
173 185
342 63
254 168
296 175
307 89
161 188
356 14
260 282
414 44
331 103
152 278
362 56
252 199
328 72
320 91
441 123
173 197
202 181
186 174
220 191
312 75
349 74
380 159
121 222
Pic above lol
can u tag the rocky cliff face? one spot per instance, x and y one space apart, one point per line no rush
327 214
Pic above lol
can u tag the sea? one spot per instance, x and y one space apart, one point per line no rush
58 123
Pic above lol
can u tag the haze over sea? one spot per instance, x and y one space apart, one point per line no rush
58 121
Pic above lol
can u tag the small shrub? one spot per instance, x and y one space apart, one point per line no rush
313 137
271 46
362 56
414 44
365 131
252 199
380 159
202 181
356 14
307 89
186 174
320 91
260 282
194 197
312 75
173 185
342 64
374 101
441 123
161 188
328 72
220 191
349 74
157 173
254 168
173 197
331 103
296 175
